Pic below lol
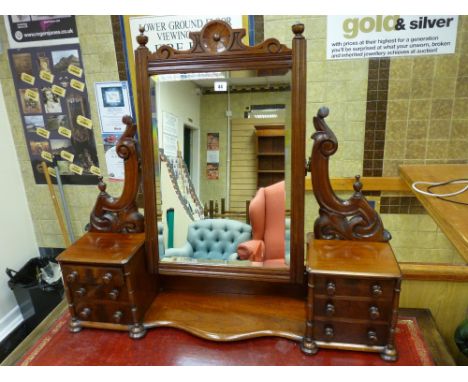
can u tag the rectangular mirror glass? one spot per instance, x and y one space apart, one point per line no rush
223 168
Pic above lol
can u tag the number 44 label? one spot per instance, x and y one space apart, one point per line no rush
220 86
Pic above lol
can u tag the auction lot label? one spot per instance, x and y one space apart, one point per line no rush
351 37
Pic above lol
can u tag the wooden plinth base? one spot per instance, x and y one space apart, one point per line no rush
228 317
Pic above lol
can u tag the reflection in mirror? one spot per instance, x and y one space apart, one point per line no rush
224 167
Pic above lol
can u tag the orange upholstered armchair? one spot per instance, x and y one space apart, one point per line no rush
267 218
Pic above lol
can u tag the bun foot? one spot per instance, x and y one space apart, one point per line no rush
74 326
309 347
137 331
389 354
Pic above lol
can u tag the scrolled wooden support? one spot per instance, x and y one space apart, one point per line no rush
352 219
120 215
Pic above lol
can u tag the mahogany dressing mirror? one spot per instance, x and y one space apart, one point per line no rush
222 135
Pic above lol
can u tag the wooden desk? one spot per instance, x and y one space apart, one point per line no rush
452 218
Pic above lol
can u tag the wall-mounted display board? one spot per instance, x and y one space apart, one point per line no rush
113 101
381 36
27 31
53 104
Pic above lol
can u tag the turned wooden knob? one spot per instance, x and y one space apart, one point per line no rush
85 313
113 294
329 332
376 290
80 292
118 316
330 309
107 278
72 277
372 336
331 288
374 312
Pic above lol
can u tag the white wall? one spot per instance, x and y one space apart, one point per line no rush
17 239
181 99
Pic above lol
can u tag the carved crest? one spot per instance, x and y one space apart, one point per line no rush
352 219
120 215
216 37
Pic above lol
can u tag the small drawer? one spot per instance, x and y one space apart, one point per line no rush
102 292
77 274
371 310
369 334
113 313
349 286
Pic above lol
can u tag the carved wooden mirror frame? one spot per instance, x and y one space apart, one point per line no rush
218 47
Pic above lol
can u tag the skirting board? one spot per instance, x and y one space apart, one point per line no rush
10 322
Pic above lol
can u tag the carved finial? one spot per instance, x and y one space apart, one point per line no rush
298 29
141 38
101 185
323 112
357 184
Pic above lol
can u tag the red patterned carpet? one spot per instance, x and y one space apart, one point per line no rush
167 346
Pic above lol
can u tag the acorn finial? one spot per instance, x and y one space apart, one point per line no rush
101 185
141 38
357 184
298 29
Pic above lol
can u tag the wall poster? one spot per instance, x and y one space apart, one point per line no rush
28 31
212 156
350 37
54 108
169 138
113 101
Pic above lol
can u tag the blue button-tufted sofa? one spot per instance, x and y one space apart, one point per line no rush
212 239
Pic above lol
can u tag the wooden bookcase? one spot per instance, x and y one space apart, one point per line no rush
270 154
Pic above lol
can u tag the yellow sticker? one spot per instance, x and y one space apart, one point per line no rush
75 70
58 90
47 156
95 170
67 156
25 77
85 122
43 132
31 94
78 85
76 169
64 132
52 172
46 76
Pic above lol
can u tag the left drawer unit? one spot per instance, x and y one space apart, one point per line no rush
107 284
